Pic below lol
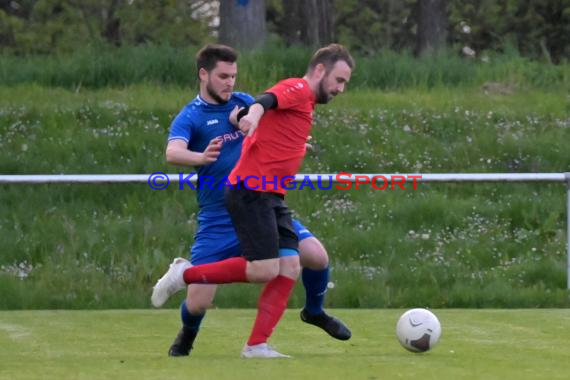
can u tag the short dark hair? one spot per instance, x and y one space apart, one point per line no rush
211 54
329 55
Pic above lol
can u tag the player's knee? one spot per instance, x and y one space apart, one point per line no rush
197 303
320 261
313 254
262 270
199 298
266 275
290 267
196 309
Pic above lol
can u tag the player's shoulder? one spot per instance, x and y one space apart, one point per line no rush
191 113
196 105
290 85
293 82
193 109
242 97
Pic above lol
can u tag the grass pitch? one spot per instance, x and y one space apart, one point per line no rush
132 344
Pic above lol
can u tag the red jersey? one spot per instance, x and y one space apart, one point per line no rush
276 149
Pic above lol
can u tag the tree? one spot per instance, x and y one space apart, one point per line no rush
369 26
308 22
104 15
242 23
432 21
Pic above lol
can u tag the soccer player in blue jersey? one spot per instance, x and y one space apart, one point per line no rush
203 136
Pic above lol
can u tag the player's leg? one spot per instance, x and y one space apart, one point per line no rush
289 265
315 276
192 310
255 225
275 295
214 241
315 273
274 298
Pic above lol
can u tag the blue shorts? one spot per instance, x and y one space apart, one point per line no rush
216 239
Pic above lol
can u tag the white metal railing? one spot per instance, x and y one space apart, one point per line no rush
176 177
387 178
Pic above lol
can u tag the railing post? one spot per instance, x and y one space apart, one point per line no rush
567 176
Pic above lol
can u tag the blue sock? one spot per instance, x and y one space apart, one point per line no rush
189 320
315 282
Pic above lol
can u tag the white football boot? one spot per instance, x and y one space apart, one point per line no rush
170 283
262 350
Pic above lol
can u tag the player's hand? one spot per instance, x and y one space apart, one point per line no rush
233 116
247 124
212 151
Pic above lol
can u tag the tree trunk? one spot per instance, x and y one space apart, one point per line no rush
309 22
242 23
432 26
326 22
292 21
112 24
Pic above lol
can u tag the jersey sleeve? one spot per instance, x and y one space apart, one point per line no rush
181 128
244 98
290 93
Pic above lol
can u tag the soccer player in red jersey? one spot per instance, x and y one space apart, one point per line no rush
278 125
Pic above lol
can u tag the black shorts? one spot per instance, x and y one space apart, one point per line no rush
262 222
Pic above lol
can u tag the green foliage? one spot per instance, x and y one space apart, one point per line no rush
102 67
372 26
92 67
55 26
172 22
533 28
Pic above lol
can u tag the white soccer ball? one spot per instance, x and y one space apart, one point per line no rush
418 330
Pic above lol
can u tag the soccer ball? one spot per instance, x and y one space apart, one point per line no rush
418 330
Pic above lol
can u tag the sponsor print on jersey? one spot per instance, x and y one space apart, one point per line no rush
232 136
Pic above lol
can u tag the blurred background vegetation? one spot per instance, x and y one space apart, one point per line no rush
440 86
538 29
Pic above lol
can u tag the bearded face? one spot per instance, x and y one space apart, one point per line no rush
217 85
216 95
333 82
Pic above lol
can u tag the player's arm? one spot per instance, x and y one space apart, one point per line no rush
248 118
177 153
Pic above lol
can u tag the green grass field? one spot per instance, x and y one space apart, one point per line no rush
120 344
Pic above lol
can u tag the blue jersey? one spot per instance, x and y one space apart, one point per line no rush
197 124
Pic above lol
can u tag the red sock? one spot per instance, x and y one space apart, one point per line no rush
270 307
221 272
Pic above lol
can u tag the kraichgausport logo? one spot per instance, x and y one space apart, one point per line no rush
339 181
